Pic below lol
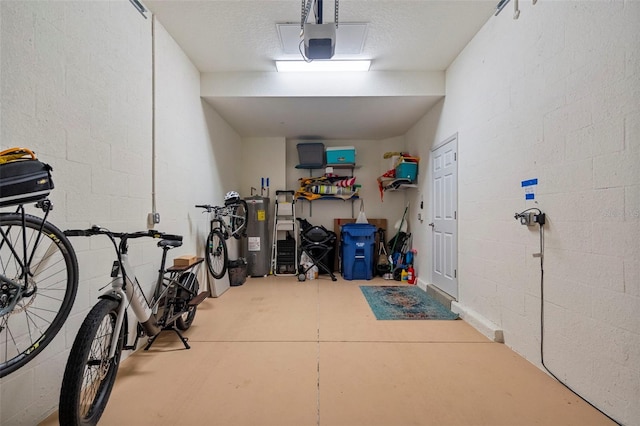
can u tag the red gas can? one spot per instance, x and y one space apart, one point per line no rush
411 275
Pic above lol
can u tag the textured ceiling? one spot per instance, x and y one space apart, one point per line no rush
241 36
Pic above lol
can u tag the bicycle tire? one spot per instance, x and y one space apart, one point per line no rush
52 285
239 219
216 254
190 281
90 374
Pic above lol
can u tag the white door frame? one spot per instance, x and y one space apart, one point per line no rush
444 215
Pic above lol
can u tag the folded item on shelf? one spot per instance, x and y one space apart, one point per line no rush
313 188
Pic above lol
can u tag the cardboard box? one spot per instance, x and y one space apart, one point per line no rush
341 155
186 260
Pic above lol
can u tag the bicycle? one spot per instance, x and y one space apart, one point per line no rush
93 362
228 220
38 266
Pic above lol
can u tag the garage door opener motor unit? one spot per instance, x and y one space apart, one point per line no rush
319 38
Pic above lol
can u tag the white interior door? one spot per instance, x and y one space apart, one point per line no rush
444 187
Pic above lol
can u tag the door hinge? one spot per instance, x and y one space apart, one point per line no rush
455 215
455 156
455 273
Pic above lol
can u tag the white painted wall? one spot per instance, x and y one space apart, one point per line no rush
197 152
554 96
263 158
76 87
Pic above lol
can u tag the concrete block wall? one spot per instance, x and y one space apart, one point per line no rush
76 88
554 96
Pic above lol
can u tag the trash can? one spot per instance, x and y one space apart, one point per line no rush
237 272
358 244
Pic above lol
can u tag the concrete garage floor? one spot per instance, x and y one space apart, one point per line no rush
278 352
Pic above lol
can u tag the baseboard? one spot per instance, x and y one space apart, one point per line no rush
440 296
477 321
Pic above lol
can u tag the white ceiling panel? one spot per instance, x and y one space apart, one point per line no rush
400 35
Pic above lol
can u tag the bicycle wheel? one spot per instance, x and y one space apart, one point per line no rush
38 284
216 254
90 374
239 219
190 281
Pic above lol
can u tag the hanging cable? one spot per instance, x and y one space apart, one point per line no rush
542 318
302 52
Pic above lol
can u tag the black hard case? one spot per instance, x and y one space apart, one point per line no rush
24 181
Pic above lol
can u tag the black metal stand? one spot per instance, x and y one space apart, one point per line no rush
173 327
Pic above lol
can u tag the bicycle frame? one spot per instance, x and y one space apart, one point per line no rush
218 221
219 213
126 289
129 292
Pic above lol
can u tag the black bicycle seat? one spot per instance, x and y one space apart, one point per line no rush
169 243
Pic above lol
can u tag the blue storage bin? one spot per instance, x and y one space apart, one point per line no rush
407 170
358 248
341 155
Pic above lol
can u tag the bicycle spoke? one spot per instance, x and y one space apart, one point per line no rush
6 341
35 294
96 367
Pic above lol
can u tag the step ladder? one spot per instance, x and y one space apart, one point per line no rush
284 251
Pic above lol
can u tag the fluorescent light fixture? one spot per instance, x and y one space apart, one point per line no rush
323 66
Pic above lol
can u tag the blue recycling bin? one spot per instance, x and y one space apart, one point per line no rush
358 248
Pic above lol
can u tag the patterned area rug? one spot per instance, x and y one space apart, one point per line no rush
404 303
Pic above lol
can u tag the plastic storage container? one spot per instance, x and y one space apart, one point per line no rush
358 243
311 154
341 155
407 170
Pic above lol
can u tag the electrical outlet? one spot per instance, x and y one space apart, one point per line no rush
526 218
531 218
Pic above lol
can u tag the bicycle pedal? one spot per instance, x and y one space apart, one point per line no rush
199 298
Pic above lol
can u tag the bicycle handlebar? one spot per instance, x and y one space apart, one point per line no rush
217 210
96 230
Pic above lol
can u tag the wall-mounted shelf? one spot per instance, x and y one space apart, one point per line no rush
396 184
328 198
335 166
343 166
340 166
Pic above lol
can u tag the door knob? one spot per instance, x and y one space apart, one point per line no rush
432 225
